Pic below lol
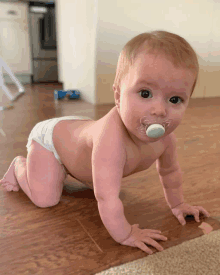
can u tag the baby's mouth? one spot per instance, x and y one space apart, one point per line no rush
147 122
153 129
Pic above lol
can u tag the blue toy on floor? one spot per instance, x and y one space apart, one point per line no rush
61 94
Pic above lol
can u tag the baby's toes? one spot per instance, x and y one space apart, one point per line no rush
7 186
10 187
16 188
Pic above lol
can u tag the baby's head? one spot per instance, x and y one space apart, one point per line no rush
172 46
154 68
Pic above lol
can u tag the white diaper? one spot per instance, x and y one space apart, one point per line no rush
43 133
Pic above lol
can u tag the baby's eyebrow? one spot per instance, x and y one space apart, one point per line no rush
151 83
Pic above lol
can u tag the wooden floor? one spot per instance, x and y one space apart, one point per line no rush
70 238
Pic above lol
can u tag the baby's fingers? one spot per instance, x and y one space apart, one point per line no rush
157 236
153 243
141 244
143 247
202 210
197 212
153 231
181 219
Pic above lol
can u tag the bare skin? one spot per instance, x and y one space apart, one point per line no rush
100 153
78 138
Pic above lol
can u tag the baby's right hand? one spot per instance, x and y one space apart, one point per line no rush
140 236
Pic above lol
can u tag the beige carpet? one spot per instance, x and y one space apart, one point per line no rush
194 257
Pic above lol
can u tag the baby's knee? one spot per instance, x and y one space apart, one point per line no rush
45 205
45 202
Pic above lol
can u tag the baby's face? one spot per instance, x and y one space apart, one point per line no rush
153 91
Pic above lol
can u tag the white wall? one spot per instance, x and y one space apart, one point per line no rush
15 46
92 34
197 21
76 41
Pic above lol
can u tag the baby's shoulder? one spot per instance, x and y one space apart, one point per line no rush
110 124
109 132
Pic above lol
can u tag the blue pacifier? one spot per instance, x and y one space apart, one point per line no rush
155 131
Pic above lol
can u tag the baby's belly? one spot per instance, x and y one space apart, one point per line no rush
74 153
78 164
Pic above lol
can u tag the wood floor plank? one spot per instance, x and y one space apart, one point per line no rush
70 238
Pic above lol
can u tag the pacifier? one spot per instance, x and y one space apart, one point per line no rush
155 131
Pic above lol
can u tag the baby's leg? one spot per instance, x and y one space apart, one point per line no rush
40 176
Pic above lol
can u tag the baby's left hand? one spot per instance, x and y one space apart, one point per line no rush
184 209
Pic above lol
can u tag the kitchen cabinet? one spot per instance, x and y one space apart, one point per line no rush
15 40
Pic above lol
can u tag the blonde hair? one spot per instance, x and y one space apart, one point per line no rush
172 46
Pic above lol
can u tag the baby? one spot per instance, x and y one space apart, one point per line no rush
153 69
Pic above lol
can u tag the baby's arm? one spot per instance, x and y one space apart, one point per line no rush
170 173
108 160
171 179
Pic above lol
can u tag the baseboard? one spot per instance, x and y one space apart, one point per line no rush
23 78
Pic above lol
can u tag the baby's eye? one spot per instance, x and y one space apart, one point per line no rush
174 99
177 99
144 93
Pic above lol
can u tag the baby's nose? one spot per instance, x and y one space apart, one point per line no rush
158 109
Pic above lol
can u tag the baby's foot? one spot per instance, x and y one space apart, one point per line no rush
9 181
